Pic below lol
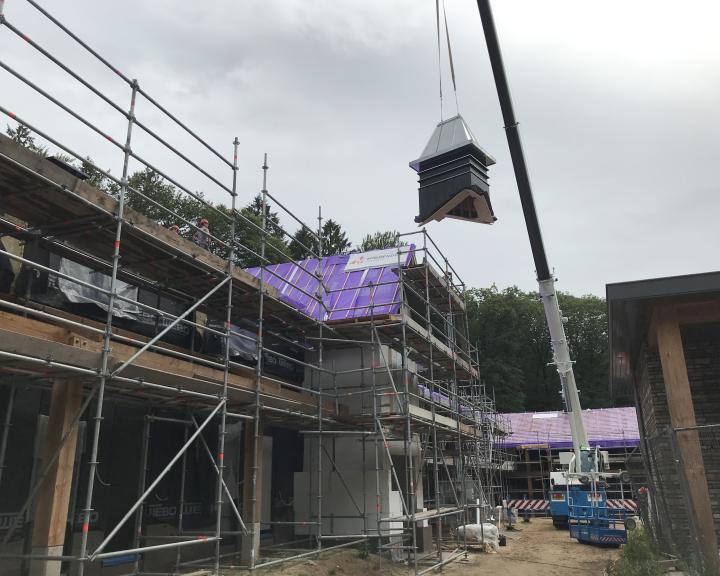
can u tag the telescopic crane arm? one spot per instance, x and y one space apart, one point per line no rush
546 281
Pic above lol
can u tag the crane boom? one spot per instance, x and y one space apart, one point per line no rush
546 281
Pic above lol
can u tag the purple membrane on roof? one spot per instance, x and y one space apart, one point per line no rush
606 427
356 286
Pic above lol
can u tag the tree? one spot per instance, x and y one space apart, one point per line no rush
272 220
149 194
23 136
380 240
588 340
334 239
501 323
249 238
304 245
153 197
94 176
515 354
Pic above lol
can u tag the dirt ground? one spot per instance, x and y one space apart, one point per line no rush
535 549
538 549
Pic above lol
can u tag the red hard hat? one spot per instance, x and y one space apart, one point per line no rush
204 221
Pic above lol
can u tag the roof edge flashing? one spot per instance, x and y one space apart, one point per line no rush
450 135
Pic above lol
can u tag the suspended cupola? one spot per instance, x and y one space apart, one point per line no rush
453 177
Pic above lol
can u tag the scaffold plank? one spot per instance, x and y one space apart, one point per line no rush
438 285
42 194
38 339
418 339
425 515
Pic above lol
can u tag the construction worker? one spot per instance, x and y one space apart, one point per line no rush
202 235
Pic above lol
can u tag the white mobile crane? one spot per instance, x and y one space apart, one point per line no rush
583 484
453 183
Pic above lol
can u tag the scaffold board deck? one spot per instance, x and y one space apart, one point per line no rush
54 344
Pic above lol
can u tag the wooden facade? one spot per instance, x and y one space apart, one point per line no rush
665 346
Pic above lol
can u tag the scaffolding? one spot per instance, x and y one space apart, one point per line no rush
390 383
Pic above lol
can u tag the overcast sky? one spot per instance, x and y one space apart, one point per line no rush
618 103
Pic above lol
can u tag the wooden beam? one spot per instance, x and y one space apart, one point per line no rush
704 312
77 198
687 313
41 339
54 497
682 415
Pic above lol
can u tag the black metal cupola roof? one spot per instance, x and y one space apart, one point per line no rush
453 179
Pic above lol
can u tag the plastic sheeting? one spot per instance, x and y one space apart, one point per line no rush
347 295
480 534
606 427
79 294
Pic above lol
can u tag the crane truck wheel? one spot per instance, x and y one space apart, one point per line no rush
632 523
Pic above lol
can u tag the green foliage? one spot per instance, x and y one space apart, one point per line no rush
588 340
23 136
380 240
510 329
64 158
247 234
639 557
502 324
334 239
95 177
271 218
151 195
304 245
154 197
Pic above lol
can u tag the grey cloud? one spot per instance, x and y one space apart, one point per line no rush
617 104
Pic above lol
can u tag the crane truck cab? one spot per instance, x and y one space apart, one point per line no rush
578 499
567 489
558 498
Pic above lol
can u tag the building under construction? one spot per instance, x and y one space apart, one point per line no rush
537 441
165 410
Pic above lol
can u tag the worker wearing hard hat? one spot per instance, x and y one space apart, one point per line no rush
202 234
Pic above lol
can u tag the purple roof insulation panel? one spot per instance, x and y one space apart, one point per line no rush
348 295
606 427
